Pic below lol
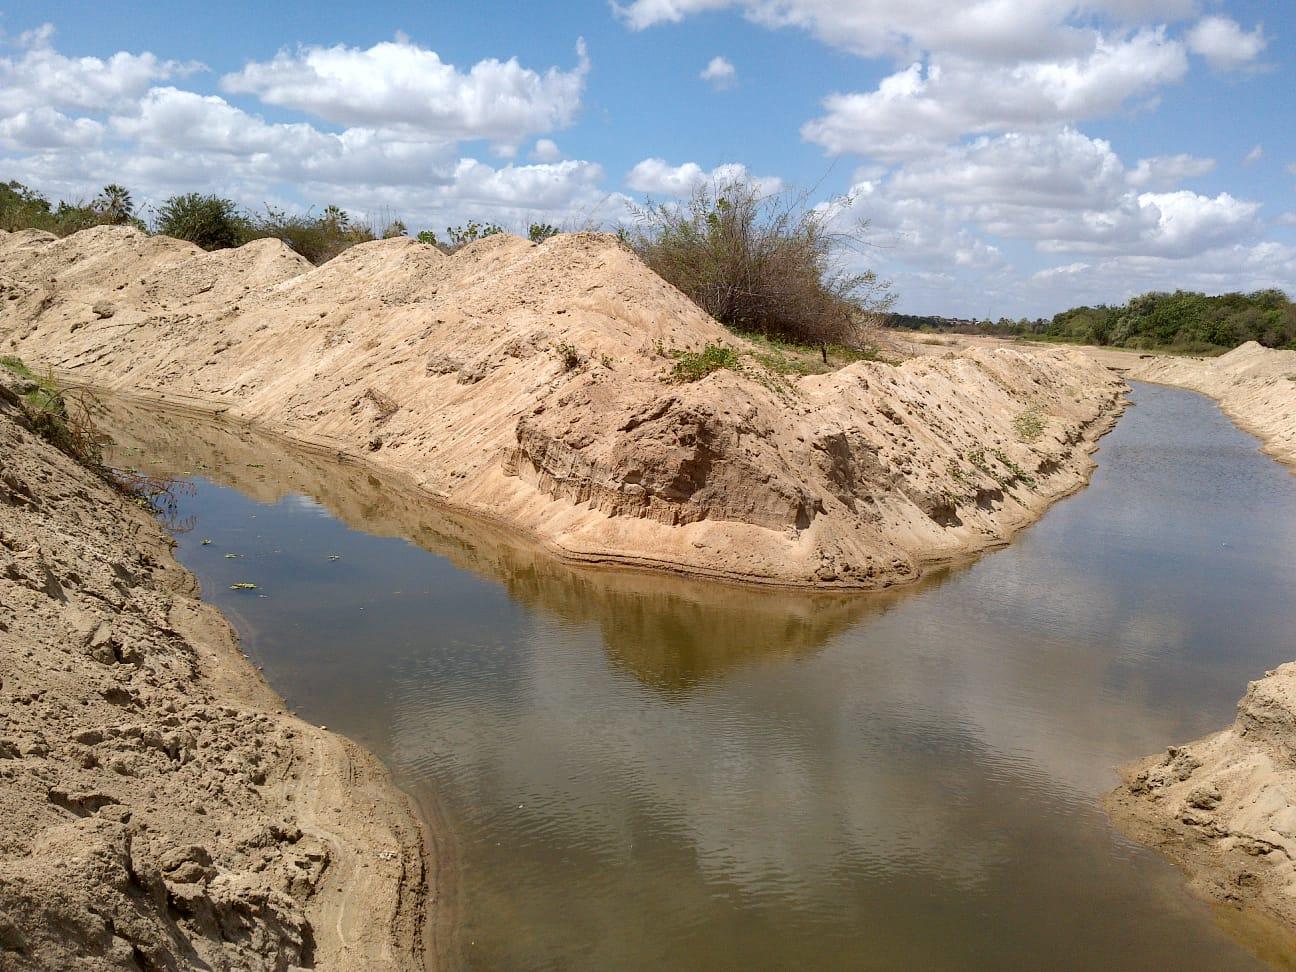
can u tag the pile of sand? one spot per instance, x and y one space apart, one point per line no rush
1224 807
1255 385
530 384
160 808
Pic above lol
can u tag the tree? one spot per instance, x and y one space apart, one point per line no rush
210 221
115 204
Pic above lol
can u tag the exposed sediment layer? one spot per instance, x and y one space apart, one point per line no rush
160 809
530 384
1224 807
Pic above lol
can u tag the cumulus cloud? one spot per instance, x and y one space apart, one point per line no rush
397 84
1166 171
927 105
45 128
993 30
1068 192
658 177
40 77
546 150
1254 156
720 73
1224 44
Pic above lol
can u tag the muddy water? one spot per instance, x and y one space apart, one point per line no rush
641 773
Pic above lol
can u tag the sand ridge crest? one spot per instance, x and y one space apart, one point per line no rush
531 384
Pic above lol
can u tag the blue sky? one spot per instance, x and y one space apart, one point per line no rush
1012 157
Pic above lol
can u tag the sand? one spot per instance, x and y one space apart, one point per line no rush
530 385
161 809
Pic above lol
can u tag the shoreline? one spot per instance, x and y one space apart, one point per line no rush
1087 444
1223 807
163 802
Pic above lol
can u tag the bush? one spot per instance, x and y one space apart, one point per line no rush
764 263
210 221
60 416
317 238
539 232
23 208
457 237
695 365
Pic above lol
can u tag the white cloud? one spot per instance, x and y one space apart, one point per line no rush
924 107
720 73
1254 156
45 128
399 85
1224 44
1239 267
991 30
658 177
1167 171
40 77
1030 171
546 150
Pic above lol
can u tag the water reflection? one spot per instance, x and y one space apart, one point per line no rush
669 632
647 773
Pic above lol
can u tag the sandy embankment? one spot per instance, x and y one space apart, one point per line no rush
159 807
528 384
1224 807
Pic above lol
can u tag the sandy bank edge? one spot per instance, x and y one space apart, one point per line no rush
1071 479
1223 808
100 838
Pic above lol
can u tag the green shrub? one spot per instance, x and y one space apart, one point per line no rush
568 355
317 238
457 237
23 208
765 263
539 232
209 221
60 416
694 365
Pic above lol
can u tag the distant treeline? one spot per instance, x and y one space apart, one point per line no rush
215 223
1180 321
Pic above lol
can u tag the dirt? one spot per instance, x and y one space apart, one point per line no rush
161 809
531 385
1224 807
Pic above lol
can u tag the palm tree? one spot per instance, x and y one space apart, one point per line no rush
115 203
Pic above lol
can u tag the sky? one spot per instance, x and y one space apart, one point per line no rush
1005 157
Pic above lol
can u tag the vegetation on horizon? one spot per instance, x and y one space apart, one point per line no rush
1184 321
214 222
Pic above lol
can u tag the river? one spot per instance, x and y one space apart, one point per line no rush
639 772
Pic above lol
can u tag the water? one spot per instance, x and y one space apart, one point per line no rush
644 773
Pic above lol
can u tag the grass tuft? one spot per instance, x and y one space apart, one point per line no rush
695 365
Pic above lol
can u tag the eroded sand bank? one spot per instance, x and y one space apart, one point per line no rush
160 808
530 384
1224 807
